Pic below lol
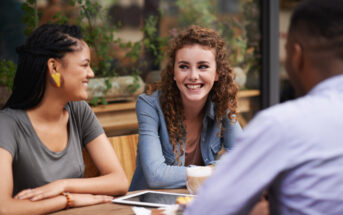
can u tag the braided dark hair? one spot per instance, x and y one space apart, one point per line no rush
47 41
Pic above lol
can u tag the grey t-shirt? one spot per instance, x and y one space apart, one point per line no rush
33 163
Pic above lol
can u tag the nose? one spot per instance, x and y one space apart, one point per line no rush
90 73
193 74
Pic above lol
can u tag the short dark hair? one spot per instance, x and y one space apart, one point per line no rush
319 20
45 42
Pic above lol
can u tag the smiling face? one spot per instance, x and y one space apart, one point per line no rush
76 71
195 72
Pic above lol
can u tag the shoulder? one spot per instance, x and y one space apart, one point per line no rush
79 108
8 117
292 116
288 112
152 100
78 105
10 124
80 111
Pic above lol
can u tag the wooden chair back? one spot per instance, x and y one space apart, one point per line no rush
125 148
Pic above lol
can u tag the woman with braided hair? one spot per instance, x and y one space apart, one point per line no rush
45 124
190 115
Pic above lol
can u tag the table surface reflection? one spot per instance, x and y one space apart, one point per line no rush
110 208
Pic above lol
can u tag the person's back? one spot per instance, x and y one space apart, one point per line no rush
293 150
310 150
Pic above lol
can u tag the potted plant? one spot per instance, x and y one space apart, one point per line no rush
116 77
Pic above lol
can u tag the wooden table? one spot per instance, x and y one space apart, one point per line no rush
109 208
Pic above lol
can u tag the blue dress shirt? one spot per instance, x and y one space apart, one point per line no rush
156 165
295 150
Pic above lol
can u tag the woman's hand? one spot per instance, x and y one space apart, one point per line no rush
43 192
79 200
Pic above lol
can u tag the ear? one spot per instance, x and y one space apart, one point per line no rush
298 57
52 64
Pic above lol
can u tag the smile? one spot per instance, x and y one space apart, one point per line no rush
194 86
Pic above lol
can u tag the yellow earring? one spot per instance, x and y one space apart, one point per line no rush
56 79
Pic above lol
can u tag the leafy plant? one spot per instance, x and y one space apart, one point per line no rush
99 35
31 15
240 31
7 73
154 43
198 12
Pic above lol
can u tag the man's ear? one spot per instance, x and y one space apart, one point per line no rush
298 57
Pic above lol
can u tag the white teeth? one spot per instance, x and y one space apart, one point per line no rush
193 86
85 84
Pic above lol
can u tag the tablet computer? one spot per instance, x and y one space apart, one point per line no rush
150 198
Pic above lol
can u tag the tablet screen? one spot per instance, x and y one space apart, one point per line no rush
150 198
160 198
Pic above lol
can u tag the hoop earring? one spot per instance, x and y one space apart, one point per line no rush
56 79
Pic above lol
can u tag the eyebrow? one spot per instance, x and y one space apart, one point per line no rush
86 60
182 62
203 62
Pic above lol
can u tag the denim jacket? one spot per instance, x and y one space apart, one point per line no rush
156 165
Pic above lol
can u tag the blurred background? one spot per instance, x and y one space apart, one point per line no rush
128 39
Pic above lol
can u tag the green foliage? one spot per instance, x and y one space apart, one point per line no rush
99 35
197 12
135 85
31 15
98 100
154 43
239 31
7 73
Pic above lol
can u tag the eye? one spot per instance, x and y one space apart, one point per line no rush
85 65
183 66
203 66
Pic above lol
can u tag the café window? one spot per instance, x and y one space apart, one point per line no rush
142 27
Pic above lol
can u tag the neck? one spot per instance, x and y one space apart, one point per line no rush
194 110
315 75
51 108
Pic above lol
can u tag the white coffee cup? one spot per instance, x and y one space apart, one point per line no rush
196 175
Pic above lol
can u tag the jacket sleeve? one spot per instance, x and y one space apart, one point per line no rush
156 172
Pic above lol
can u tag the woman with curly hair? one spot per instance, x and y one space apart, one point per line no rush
190 115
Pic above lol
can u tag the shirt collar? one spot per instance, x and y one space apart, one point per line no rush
210 109
335 82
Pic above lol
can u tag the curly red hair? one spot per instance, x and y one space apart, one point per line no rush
223 93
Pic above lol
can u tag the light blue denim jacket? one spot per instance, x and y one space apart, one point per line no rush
156 165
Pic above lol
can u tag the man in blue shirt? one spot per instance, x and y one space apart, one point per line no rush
293 150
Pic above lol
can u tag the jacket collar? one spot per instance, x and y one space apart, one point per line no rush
210 109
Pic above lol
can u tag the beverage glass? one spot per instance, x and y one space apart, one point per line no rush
196 175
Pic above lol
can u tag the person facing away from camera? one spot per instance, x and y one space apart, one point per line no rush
190 115
45 124
295 149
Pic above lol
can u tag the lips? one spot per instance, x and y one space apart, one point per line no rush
85 83
194 86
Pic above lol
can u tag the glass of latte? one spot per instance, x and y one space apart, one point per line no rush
196 175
